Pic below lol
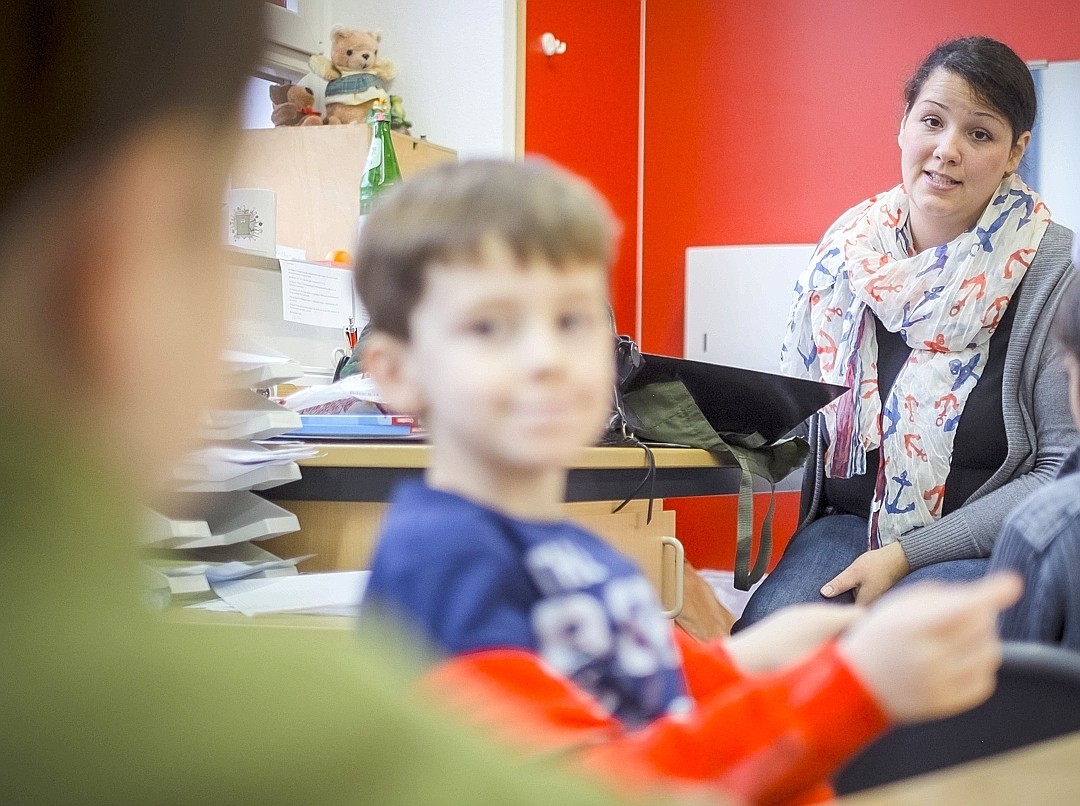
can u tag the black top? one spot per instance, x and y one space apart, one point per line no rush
979 445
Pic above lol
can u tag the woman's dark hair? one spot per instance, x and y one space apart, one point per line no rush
1066 325
996 74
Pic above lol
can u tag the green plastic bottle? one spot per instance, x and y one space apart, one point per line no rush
381 169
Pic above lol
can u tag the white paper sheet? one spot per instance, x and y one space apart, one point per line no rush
316 295
221 462
337 591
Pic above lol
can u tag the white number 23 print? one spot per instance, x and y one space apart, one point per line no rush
576 629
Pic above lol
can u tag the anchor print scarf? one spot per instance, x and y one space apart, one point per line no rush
945 303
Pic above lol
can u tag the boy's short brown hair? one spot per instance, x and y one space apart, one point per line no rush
451 212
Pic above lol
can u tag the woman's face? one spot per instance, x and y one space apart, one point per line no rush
955 150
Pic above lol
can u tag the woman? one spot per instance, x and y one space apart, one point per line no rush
1041 538
932 302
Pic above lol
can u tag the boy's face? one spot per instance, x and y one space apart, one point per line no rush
511 366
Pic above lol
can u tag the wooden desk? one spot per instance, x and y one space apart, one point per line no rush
280 621
341 500
1043 773
368 471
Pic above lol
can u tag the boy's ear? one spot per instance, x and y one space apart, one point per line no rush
386 360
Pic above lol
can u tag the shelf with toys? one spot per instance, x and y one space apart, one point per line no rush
314 158
315 173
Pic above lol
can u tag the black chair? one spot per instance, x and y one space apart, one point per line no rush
1037 697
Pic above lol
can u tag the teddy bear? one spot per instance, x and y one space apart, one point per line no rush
356 76
293 106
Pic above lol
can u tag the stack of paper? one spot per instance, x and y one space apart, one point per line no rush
243 414
193 572
353 394
204 538
232 466
335 593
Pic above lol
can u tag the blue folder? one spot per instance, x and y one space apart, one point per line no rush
356 426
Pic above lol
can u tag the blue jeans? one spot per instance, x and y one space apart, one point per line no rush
822 550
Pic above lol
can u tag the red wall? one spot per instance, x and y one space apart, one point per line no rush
581 110
764 121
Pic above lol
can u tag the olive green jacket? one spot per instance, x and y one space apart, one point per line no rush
102 701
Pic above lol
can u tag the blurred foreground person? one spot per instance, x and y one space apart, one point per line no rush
112 288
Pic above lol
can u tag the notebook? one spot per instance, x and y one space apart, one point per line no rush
737 400
357 426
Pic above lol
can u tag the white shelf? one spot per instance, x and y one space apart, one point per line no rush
160 528
252 365
252 260
175 585
184 573
250 416
265 375
261 477
234 518
199 531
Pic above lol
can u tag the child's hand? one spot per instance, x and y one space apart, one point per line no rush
931 650
789 634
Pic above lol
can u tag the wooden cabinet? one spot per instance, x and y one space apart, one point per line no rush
342 535
315 171
341 502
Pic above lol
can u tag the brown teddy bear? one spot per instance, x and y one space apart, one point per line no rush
356 76
293 106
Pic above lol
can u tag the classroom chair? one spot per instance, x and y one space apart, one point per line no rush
1037 697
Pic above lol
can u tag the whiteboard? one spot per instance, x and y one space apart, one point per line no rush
737 302
1056 141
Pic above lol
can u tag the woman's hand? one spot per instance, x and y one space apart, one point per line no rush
872 573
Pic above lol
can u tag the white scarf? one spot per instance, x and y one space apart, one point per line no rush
945 303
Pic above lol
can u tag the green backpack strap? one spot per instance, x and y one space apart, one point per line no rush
771 462
665 411
744 534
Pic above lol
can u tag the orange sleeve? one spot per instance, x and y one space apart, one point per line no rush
765 739
707 667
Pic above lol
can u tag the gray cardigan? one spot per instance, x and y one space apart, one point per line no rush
1039 426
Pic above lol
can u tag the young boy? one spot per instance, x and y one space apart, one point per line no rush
486 283
1041 538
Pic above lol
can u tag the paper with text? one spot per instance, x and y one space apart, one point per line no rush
316 295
